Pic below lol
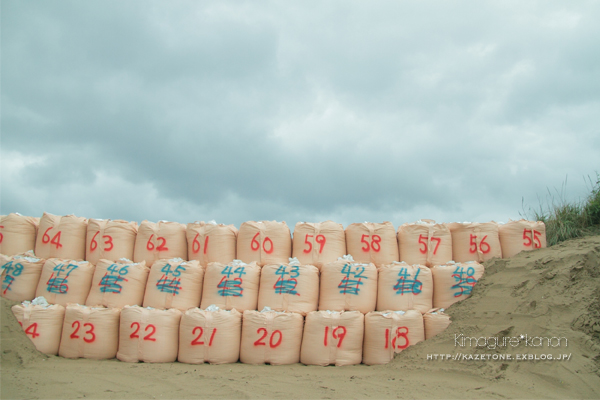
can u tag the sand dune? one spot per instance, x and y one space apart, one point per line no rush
548 293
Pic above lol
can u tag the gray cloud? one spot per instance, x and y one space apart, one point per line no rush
345 110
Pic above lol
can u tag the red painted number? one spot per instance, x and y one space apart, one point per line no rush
375 243
55 239
1 235
149 336
401 333
438 240
308 243
320 239
272 342
161 247
32 330
93 243
135 335
339 333
255 245
90 331
108 242
536 242
423 242
483 245
201 332
196 244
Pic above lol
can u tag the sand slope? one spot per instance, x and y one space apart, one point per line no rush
550 292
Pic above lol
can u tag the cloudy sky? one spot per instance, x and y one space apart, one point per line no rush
297 110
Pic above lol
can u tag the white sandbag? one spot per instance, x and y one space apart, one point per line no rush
212 335
209 242
318 243
110 240
435 322
162 240
425 242
289 287
454 282
148 335
17 233
475 241
390 332
61 237
118 284
232 285
522 235
332 337
20 276
174 283
42 323
266 242
404 287
372 243
90 332
270 337
346 285
65 281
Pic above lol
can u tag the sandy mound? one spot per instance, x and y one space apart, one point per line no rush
17 349
548 293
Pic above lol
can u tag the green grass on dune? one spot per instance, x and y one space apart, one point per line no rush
568 220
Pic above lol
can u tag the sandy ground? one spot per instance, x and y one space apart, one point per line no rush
553 292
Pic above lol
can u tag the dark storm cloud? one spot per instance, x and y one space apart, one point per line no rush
305 111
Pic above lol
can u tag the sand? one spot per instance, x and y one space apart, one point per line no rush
553 292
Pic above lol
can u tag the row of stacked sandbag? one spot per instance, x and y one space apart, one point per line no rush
219 336
343 285
266 242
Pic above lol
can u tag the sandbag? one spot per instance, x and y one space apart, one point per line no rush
318 243
232 285
404 287
90 332
475 241
522 235
174 283
212 335
61 237
209 242
20 276
266 242
347 285
454 282
162 240
42 323
390 332
289 287
17 233
372 243
425 243
110 240
270 337
118 284
332 337
435 322
148 335
65 281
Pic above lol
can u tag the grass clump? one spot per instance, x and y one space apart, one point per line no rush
566 220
